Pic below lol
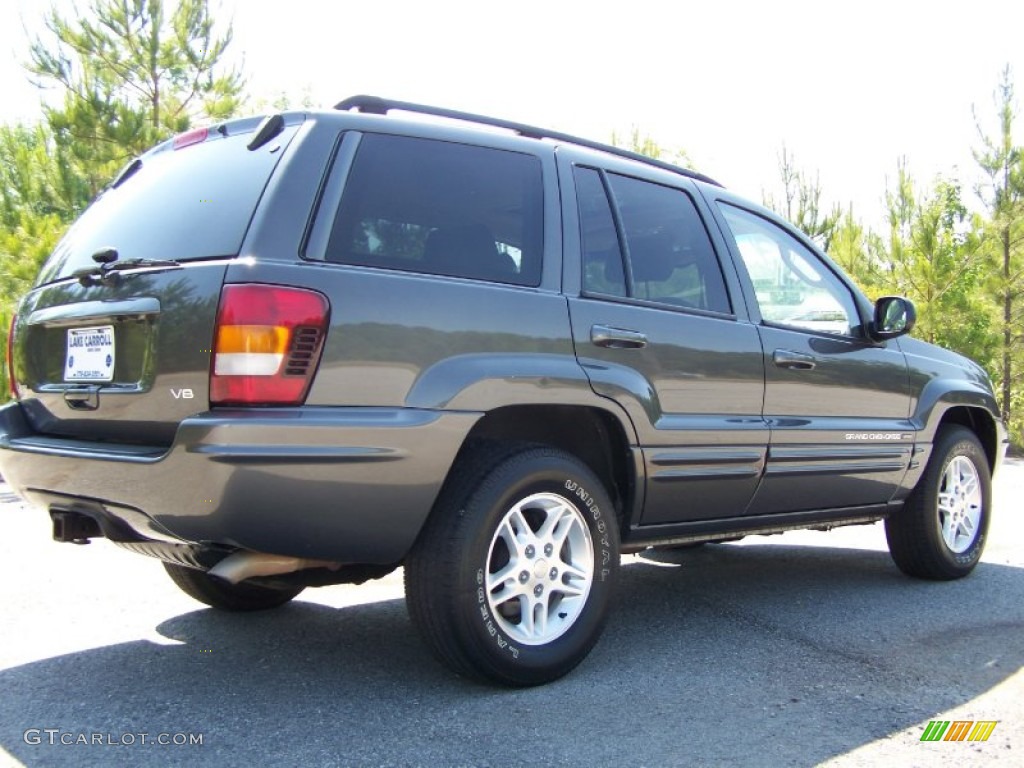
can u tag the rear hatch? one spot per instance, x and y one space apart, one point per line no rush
113 344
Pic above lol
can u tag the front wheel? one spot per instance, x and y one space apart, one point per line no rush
940 533
510 580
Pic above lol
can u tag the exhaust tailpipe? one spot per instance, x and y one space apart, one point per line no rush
245 565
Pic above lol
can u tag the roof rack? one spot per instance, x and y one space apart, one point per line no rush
375 105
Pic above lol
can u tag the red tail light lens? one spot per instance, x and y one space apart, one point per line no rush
11 383
266 345
187 139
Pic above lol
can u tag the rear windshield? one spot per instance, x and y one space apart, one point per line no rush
191 203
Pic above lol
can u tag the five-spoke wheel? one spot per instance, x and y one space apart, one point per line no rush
940 532
511 578
960 504
540 568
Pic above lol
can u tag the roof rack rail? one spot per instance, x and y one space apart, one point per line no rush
375 105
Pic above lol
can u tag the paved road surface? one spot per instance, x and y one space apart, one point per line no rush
795 650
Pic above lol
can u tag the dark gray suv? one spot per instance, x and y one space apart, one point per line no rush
309 349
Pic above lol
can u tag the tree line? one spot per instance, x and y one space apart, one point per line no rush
127 74
130 73
964 270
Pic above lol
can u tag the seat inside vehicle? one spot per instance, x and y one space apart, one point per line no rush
467 251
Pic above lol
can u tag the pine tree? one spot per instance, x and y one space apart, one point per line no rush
129 74
935 256
646 145
801 203
132 73
854 248
1003 193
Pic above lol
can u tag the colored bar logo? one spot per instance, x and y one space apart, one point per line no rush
959 730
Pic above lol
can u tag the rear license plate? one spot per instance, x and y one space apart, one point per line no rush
90 354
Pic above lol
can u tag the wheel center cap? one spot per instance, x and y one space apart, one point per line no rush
540 569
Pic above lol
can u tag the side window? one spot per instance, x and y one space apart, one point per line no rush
671 260
793 286
440 208
602 256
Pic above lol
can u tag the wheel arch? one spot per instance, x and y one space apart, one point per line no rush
945 401
595 436
981 423
978 419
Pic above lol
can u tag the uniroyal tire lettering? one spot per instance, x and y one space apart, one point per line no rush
602 528
485 614
586 498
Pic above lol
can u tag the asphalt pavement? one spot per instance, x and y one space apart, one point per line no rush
797 650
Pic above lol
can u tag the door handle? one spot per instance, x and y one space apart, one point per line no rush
796 361
616 338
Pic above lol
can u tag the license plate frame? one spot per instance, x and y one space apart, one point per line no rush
90 354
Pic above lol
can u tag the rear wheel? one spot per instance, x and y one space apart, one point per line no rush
511 578
225 596
941 531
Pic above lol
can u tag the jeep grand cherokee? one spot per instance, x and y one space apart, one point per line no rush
309 349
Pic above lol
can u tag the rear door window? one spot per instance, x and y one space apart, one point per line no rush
439 208
669 257
602 253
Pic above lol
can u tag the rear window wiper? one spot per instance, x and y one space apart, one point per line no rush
105 272
141 263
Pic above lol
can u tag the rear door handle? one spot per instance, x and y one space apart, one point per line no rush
796 361
616 338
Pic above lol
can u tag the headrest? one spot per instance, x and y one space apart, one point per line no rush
467 251
652 257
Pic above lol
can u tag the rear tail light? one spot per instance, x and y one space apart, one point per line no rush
11 383
187 139
266 345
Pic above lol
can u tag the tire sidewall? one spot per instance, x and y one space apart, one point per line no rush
960 444
484 511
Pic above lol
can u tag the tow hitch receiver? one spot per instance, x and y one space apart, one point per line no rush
74 527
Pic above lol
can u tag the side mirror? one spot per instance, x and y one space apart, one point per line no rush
894 316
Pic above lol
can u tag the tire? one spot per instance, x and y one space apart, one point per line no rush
511 578
941 531
225 596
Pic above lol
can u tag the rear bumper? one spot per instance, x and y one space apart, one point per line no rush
348 484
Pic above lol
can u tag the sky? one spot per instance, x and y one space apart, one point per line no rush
848 88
